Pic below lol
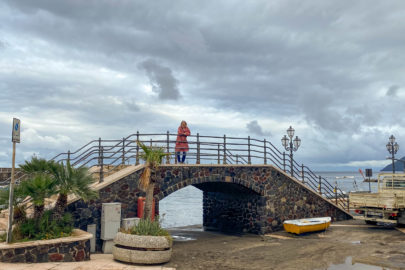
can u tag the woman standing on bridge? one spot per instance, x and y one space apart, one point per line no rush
181 141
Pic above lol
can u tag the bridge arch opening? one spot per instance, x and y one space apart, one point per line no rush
228 207
181 208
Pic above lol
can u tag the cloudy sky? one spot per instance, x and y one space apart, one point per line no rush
73 71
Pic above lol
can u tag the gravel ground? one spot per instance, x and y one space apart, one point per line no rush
343 244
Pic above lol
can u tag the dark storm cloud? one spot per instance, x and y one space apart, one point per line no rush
327 64
254 128
392 91
162 80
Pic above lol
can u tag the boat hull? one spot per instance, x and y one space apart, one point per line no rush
300 226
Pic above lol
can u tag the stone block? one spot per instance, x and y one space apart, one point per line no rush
108 246
91 228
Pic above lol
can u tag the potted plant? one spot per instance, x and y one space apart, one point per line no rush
146 242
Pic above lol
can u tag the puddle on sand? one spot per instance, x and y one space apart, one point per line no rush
356 266
182 238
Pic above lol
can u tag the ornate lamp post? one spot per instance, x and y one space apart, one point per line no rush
392 148
291 145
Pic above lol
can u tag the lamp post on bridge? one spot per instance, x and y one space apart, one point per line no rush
291 145
392 148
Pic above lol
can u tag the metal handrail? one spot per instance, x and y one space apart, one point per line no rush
107 155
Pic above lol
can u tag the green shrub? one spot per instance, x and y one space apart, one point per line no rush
43 228
148 227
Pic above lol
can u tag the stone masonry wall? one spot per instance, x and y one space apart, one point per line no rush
125 191
58 252
231 212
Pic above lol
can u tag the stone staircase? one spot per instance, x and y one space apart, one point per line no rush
112 174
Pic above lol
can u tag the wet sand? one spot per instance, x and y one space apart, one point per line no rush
348 241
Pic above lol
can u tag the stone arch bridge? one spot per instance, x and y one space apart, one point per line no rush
248 184
241 198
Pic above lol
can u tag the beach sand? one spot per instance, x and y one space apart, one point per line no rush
348 241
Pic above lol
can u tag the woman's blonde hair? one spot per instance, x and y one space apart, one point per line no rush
182 121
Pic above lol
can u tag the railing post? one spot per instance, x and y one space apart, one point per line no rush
336 197
167 147
99 150
219 154
224 162
123 151
348 204
284 161
68 159
137 149
101 165
249 158
198 149
291 163
302 173
320 185
265 153
151 142
237 159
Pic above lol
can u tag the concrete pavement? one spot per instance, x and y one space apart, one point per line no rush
97 262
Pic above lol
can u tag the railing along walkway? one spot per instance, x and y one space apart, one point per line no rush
105 157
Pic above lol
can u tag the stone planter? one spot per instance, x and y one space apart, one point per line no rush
66 249
142 249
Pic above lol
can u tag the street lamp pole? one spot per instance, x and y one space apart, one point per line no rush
392 148
291 145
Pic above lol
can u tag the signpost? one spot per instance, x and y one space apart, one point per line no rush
15 138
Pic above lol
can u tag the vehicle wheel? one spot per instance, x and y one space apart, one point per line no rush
369 222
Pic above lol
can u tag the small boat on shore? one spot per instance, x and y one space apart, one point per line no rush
304 225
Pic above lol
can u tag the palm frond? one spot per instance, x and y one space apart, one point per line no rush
39 187
37 165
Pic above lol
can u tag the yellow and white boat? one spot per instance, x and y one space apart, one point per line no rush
304 225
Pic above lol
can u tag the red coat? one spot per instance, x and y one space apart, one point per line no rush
181 141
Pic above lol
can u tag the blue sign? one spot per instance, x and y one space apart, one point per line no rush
15 137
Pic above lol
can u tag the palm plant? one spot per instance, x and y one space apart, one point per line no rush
153 157
39 187
18 207
71 180
38 165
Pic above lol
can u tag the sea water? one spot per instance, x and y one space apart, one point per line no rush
184 207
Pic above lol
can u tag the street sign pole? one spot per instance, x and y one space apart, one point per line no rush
10 201
15 138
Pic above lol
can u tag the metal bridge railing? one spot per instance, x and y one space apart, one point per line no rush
105 157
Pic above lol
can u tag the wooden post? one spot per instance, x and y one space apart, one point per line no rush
237 159
320 185
198 149
137 149
249 158
168 147
224 162
10 200
265 152
68 159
